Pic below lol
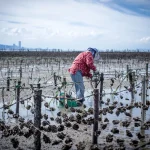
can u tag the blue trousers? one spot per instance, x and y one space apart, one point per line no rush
79 85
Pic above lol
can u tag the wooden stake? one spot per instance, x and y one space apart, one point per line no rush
101 87
18 97
96 110
37 118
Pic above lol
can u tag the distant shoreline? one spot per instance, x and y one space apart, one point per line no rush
103 55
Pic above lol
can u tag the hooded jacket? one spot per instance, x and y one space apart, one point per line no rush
83 62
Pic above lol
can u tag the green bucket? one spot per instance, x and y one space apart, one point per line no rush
70 102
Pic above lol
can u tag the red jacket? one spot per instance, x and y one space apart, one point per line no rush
83 62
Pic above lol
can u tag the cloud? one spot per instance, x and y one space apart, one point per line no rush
145 39
80 24
131 7
73 23
121 9
3 13
16 22
15 31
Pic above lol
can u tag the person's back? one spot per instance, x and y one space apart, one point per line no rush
83 62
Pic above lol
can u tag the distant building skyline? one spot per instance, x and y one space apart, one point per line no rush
20 48
11 47
19 44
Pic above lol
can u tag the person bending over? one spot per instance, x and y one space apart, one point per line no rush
80 68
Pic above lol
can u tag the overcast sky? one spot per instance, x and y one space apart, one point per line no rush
76 24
